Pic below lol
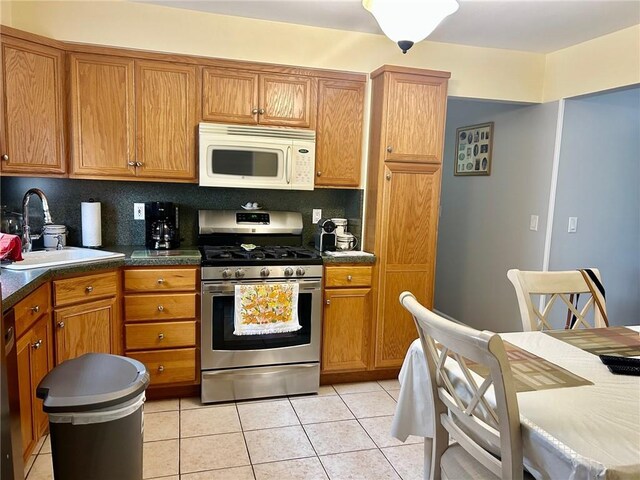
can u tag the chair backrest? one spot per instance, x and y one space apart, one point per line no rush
555 285
481 419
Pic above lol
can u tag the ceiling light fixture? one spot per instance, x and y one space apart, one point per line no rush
409 21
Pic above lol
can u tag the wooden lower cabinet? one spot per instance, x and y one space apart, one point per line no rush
35 360
346 327
85 328
161 327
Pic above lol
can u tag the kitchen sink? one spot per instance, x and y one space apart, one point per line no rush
66 256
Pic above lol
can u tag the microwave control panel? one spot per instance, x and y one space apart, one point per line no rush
303 165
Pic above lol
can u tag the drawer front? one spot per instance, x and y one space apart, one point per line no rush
85 288
351 276
169 366
158 280
29 309
160 307
144 336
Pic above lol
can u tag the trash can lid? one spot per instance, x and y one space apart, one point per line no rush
91 382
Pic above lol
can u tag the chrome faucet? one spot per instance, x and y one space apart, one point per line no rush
27 237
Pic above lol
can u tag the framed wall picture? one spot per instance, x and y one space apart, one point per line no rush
474 147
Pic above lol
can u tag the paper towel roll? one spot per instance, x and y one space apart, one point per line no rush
91 224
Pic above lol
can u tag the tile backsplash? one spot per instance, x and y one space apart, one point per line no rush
117 198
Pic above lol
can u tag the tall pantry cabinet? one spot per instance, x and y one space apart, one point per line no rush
403 197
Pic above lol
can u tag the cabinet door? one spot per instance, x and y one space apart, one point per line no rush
410 217
84 329
33 108
41 364
287 100
102 110
346 329
24 390
415 118
229 95
166 120
339 133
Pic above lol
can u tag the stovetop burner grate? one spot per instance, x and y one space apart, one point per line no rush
220 254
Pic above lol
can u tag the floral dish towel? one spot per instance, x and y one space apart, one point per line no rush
266 308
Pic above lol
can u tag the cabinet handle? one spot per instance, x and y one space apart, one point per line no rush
389 149
161 368
89 289
60 324
349 278
254 111
388 176
161 336
328 301
35 309
5 158
37 345
160 281
160 308
139 164
261 111
319 174
131 164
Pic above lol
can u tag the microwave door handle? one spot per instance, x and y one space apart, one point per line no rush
287 166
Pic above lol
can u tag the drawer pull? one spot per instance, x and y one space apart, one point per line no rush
37 345
161 368
89 289
160 281
160 308
349 278
161 336
35 309
60 324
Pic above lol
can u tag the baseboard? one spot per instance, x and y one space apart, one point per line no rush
448 317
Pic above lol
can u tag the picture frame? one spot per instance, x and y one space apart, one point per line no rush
474 149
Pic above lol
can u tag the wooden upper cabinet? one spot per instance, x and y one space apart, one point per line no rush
243 96
339 133
229 95
102 111
415 120
166 120
287 100
33 130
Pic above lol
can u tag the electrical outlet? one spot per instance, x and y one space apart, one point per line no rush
316 215
533 223
138 211
573 225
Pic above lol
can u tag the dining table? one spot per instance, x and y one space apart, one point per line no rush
585 430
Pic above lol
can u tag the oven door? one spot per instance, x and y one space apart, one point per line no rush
220 348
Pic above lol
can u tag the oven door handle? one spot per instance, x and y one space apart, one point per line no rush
220 290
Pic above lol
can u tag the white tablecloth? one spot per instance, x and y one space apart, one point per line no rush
582 432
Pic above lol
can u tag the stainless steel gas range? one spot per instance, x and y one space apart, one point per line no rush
245 366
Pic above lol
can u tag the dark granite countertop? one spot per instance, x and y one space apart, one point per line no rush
18 284
351 259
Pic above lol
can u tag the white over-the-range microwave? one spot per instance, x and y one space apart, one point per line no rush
239 156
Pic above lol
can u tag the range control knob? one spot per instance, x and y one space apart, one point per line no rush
300 271
239 273
288 272
226 273
264 272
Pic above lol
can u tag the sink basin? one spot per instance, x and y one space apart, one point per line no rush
66 256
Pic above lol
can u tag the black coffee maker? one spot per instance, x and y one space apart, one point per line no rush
161 226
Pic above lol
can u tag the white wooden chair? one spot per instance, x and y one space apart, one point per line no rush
484 421
556 285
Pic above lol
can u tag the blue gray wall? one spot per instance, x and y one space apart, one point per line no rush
599 182
119 228
484 225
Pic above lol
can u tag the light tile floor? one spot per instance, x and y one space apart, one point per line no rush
341 433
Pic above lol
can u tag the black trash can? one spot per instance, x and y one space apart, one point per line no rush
95 404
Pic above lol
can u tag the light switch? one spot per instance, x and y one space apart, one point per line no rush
573 225
533 223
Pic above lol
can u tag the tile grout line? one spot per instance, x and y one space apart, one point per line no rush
244 438
309 439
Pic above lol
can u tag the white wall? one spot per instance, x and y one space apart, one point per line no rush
484 226
599 182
